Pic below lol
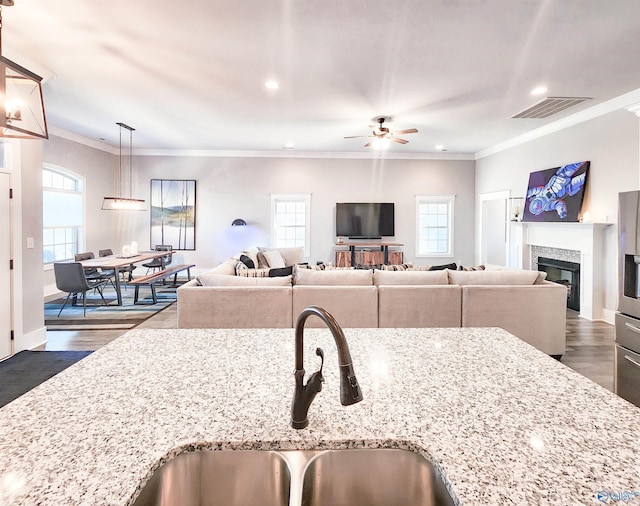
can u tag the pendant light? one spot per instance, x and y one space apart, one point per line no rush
21 103
123 203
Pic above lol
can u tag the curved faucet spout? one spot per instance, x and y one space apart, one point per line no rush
350 392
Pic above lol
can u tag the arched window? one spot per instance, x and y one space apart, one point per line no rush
63 214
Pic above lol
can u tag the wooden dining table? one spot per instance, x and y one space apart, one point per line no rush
117 262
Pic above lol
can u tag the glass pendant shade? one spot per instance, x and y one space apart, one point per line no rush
123 204
21 104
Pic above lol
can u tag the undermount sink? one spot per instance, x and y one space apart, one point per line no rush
297 478
224 478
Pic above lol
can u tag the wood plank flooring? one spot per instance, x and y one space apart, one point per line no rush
590 345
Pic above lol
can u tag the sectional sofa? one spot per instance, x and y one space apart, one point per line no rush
519 301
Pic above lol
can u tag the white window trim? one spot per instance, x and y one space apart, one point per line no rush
295 197
450 201
83 185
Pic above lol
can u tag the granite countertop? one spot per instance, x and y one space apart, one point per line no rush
505 423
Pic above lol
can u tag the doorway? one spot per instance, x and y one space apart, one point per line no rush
493 237
5 270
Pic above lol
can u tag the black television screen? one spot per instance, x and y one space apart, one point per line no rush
365 220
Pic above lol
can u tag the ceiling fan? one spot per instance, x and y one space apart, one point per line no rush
382 134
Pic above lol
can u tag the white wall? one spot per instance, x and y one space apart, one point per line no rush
229 188
610 142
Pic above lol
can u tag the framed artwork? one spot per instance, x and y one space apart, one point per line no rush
556 194
173 213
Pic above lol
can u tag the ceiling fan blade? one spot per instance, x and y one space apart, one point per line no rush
407 131
398 140
355 136
368 144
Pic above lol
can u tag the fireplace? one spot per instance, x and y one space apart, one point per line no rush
565 273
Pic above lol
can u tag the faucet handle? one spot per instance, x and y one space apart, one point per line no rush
320 353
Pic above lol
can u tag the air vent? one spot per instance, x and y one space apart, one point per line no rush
550 106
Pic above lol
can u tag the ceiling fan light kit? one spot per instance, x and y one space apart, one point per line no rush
382 136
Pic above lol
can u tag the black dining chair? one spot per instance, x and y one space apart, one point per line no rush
123 270
160 262
70 278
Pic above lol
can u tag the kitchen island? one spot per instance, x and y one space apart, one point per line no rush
504 423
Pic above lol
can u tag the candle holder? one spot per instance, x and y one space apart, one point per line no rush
516 208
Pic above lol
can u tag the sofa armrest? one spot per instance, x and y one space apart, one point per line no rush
534 313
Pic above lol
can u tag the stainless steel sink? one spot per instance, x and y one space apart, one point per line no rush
297 478
374 477
224 478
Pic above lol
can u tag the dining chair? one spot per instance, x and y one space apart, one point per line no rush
160 262
123 270
93 273
70 278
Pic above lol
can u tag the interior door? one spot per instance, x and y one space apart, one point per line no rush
5 271
494 232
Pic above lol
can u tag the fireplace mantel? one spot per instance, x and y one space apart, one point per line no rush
588 238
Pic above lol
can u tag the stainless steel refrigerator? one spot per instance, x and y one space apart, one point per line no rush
627 353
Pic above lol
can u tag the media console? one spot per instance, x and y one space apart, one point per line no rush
368 253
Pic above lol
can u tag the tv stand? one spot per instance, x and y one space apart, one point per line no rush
381 252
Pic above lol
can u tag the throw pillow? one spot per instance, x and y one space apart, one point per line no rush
253 273
398 267
444 266
247 261
281 271
262 261
291 256
274 259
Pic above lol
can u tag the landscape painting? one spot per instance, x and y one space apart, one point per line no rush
556 194
173 213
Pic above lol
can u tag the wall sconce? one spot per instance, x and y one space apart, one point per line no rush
122 203
516 208
238 222
21 103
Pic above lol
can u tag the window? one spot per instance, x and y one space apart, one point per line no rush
290 220
434 225
63 215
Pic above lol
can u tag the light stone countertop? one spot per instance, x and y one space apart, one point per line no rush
505 423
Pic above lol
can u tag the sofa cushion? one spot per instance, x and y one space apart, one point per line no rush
350 277
212 279
381 277
274 259
508 277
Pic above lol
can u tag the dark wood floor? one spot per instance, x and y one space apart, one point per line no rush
590 345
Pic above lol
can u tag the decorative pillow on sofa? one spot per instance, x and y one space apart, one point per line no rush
337 277
291 256
247 261
382 277
253 273
398 267
281 271
274 259
211 279
476 268
510 277
444 266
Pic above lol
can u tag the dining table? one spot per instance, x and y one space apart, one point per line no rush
118 262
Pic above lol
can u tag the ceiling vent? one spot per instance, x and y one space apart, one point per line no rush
550 106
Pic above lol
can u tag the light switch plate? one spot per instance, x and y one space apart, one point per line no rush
30 243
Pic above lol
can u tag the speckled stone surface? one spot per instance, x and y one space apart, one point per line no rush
505 423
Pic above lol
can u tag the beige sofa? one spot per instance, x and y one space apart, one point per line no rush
521 302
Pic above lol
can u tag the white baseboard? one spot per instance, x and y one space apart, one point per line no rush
609 316
30 340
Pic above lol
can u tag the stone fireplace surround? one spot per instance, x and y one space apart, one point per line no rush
574 242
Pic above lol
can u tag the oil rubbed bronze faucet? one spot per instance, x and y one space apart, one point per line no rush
304 394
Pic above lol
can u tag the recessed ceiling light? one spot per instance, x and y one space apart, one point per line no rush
539 90
272 85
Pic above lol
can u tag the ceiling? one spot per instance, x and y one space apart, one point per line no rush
190 75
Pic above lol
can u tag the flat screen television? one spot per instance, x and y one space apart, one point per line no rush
365 220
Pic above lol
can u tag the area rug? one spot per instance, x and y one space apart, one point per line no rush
27 369
112 316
